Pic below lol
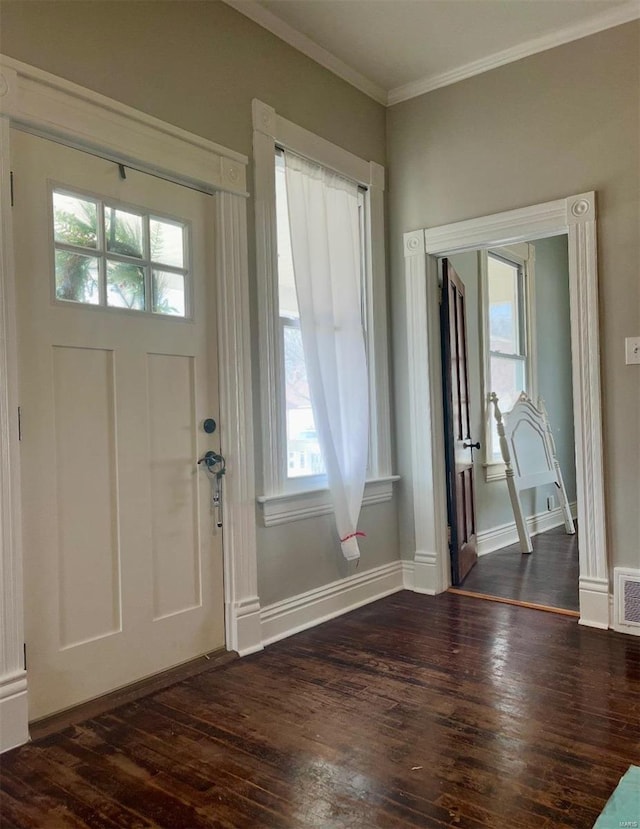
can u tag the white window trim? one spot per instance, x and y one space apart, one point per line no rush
308 503
523 255
289 499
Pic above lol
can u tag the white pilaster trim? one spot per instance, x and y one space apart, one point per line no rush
53 108
587 402
576 217
271 368
425 398
13 684
242 606
44 104
380 460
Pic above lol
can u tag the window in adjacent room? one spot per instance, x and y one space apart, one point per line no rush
507 322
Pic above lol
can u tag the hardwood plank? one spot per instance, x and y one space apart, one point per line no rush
414 711
547 577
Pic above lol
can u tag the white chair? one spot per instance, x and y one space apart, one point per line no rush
529 455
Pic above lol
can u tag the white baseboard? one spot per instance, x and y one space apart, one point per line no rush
14 729
408 574
595 603
505 534
423 573
306 610
245 622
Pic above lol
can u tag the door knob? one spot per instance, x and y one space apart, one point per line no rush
475 445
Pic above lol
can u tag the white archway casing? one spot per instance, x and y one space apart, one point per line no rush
41 103
576 217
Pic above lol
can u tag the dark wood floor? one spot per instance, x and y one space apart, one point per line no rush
548 576
415 711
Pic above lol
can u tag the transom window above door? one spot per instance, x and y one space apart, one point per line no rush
117 256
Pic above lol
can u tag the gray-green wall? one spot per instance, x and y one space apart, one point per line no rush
560 122
553 353
198 65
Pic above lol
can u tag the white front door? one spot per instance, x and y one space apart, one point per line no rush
117 373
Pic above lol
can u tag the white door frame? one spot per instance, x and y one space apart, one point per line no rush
45 105
576 217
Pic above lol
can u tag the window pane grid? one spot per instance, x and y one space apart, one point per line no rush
115 257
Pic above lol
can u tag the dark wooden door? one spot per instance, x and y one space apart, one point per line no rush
459 445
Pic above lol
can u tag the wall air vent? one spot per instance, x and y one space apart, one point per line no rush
626 597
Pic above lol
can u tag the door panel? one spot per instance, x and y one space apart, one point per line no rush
174 520
84 415
459 458
123 569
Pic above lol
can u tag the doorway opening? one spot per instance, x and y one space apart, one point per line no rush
511 335
575 217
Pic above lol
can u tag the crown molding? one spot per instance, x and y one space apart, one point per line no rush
619 15
308 47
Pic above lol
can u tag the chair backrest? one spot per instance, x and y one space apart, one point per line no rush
530 452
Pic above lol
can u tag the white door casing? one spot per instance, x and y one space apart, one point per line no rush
38 102
576 217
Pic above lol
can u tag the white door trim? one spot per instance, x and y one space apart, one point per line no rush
575 216
45 105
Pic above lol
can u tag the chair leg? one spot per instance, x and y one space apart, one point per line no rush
564 503
521 523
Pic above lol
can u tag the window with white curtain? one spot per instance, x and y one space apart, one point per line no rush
294 482
304 455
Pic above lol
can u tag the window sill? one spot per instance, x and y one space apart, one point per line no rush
494 471
296 506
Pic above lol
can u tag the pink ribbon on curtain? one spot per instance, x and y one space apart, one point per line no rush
353 535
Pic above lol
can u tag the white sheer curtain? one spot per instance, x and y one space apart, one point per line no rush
325 241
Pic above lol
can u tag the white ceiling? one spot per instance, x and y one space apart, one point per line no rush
396 49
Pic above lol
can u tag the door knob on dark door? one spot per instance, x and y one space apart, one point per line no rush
475 445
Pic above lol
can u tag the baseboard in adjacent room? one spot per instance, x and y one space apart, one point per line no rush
289 616
506 534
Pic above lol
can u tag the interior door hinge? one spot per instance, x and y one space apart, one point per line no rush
25 655
11 186
19 423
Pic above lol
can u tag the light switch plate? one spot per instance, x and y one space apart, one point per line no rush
632 350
